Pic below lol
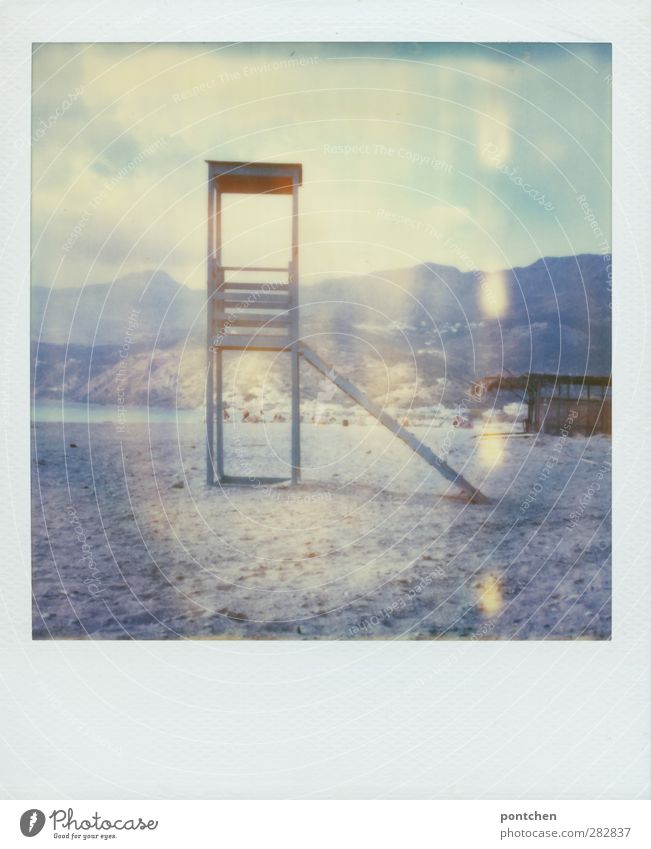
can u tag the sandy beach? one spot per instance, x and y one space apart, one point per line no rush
130 543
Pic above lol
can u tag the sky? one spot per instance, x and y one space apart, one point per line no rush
477 156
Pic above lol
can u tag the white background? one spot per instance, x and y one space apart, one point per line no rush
199 719
367 823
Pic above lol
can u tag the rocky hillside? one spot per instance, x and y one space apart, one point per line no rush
411 337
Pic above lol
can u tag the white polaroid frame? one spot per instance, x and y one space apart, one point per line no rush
226 719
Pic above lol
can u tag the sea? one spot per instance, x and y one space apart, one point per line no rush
75 411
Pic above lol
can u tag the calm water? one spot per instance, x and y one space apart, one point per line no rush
52 411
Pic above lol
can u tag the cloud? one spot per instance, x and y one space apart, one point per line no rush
399 128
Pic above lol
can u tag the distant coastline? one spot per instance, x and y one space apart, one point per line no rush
80 412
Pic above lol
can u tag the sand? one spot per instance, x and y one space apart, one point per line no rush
130 543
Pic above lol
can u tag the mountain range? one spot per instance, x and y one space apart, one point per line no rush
416 336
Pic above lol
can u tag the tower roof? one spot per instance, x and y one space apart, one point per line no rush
276 178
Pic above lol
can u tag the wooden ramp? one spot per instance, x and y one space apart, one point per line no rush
471 492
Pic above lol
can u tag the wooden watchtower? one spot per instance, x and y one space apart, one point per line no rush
245 315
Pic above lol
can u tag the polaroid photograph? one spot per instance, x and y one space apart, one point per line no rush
321 341
324 412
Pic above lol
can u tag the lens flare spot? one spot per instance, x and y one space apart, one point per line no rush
490 598
493 294
491 450
494 137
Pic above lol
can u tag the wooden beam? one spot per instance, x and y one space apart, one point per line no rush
237 480
282 268
219 360
265 289
410 439
295 350
210 355
267 302
252 342
271 322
